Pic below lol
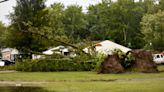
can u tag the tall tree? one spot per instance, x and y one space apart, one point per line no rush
29 15
153 29
56 18
161 5
2 34
118 21
74 22
56 15
126 23
149 6
98 21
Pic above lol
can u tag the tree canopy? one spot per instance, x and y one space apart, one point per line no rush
153 29
28 15
127 22
3 29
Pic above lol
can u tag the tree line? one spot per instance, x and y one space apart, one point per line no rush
133 24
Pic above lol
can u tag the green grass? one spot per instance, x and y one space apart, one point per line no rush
83 81
132 86
161 68
22 89
10 67
53 76
128 86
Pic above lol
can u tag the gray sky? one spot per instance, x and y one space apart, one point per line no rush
6 7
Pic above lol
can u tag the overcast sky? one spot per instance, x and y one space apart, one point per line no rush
6 7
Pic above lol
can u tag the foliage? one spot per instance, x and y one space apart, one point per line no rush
74 22
161 5
7 67
56 16
3 29
56 23
98 23
99 58
152 28
56 56
35 27
126 59
120 54
118 21
54 65
28 15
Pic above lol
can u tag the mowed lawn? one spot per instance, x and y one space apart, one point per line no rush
89 81
74 76
129 86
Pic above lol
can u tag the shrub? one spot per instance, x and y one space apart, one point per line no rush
99 59
126 60
54 65
9 67
56 56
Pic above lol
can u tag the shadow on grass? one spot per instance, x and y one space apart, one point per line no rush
23 89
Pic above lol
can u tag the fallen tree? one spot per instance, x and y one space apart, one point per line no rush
111 64
143 62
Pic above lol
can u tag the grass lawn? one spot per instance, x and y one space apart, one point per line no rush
83 81
131 86
161 68
71 76
128 86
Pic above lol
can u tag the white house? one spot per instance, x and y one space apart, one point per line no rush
58 50
106 47
9 54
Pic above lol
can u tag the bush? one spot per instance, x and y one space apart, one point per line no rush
56 56
99 58
126 60
54 65
9 67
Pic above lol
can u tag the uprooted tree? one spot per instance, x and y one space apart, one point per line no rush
142 62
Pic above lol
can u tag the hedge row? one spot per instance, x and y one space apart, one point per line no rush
54 65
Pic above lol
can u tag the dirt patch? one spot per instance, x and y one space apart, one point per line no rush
8 71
